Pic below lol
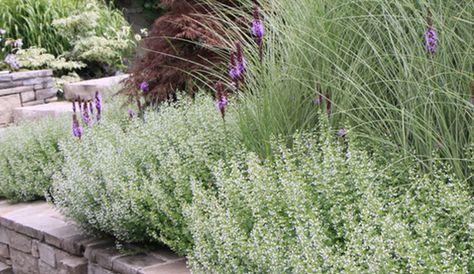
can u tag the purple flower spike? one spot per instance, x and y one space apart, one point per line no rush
131 113
431 36
86 114
238 65
77 130
342 132
144 87
234 74
257 26
240 56
242 66
234 71
98 105
221 96
431 40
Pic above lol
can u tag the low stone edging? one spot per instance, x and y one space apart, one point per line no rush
21 89
36 239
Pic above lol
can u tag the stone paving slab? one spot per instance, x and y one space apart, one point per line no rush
54 109
40 240
86 89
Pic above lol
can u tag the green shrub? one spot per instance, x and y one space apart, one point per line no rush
97 33
319 208
58 26
29 155
132 182
37 58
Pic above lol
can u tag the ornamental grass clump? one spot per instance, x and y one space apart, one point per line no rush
399 70
133 182
317 208
29 156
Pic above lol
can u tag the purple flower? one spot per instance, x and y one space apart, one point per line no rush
144 86
3 32
77 130
431 40
11 61
242 66
221 96
234 72
85 115
18 43
257 26
238 65
131 113
222 103
342 133
98 105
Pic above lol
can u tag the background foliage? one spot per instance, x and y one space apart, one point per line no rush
88 31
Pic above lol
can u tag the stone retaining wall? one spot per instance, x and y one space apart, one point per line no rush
36 239
20 89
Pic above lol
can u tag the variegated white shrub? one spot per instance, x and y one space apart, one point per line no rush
29 155
322 207
132 182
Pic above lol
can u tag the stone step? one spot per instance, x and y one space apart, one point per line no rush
40 239
86 89
5 269
40 111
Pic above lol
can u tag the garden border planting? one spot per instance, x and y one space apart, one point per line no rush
35 238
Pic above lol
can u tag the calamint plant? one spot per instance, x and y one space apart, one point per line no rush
29 155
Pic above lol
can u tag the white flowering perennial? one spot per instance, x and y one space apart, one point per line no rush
314 210
29 155
132 182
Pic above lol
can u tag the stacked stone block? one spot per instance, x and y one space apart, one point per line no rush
24 89
35 239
